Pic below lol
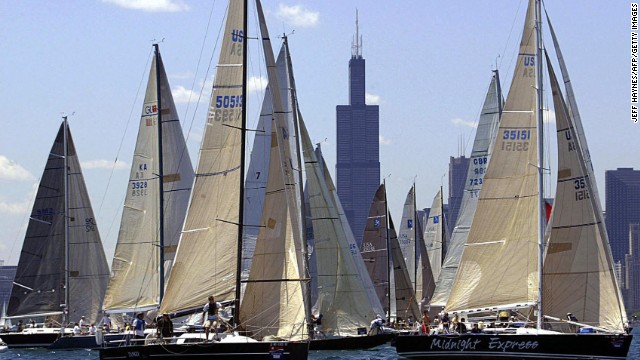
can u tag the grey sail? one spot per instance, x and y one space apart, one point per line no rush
39 285
135 270
406 305
480 155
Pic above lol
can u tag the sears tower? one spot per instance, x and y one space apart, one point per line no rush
358 160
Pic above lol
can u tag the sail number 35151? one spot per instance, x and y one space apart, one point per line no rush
517 140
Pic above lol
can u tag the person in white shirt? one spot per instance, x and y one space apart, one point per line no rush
76 329
92 329
106 320
138 326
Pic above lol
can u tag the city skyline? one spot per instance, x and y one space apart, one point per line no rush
429 64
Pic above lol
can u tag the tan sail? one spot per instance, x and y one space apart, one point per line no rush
207 256
499 263
435 235
273 303
135 283
478 161
574 115
578 275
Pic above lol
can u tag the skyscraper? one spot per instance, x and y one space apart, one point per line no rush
622 208
632 262
358 149
458 167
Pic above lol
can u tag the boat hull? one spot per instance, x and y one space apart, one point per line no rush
22 340
83 341
224 350
514 346
350 342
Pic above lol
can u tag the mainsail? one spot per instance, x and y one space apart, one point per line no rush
435 235
135 271
406 305
578 274
39 285
480 155
207 259
499 265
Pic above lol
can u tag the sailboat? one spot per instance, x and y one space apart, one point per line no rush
272 314
346 297
383 257
411 239
154 208
509 265
62 272
480 157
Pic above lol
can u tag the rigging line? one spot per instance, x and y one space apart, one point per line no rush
204 82
113 219
504 51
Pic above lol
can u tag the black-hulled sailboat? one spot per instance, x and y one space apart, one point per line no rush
62 272
510 264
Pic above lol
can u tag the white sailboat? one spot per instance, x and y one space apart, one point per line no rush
507 265
155 204
209 257
411 239
62 272
478 161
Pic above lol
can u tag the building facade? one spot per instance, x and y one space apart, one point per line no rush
631 285
358 148
7 274
622 208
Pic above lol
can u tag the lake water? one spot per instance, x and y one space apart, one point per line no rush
379 353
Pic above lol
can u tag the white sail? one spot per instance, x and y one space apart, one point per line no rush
273 303
578 274
480 156
135 284
342 296
435 237
207 257
499 265
39 285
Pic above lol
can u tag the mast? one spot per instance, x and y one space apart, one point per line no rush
540 164
498 91
66 220
243 126
303 211
389 263
160 176
415 241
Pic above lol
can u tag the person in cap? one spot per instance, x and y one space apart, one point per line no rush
165 326
139 326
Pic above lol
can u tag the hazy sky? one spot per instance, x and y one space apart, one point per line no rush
428 64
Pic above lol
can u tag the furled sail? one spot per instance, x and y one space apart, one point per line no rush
499 262
273 303
39 285
578 275
435 235
206 261
480 155
135 282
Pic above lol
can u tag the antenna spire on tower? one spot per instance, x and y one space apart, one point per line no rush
356 45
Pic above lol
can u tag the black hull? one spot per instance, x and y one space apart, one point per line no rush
83 342
236 351
514 346
20 340
350 342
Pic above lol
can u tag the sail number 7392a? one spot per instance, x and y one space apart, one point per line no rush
516 140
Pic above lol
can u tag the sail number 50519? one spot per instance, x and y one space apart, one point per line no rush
228 101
